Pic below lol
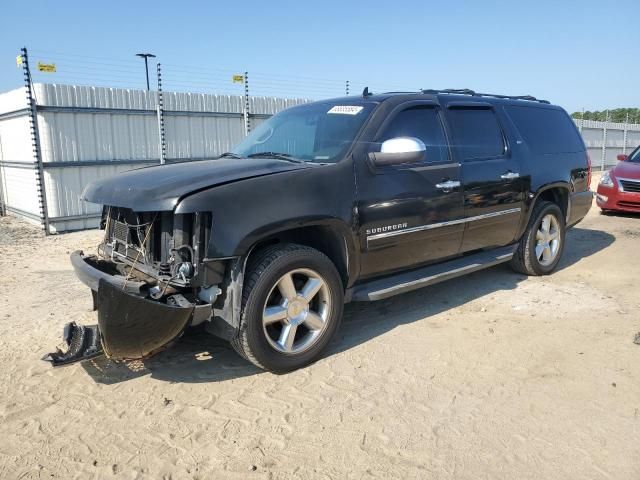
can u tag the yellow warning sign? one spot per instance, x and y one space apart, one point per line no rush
47 67
19 60
238 78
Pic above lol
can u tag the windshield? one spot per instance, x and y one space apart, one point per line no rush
316 132
635 156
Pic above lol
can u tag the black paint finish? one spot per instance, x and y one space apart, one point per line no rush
252 200
159 188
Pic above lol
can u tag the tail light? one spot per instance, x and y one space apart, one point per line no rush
589 172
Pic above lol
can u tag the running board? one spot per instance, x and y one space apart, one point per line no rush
407 281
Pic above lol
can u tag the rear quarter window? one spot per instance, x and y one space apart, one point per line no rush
546 130
476 133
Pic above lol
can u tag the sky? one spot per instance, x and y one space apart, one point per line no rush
578 54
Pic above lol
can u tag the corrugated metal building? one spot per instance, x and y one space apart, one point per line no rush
89 132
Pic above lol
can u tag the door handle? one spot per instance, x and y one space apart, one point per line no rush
510 175
448 185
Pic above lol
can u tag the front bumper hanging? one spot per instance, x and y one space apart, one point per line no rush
133 327
130 326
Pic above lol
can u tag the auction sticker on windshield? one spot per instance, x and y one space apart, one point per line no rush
346 109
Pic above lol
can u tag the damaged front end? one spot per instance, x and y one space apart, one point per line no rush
150 281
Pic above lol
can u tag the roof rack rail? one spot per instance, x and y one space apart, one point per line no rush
466 91
457 91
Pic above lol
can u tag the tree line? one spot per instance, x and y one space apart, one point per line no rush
618 115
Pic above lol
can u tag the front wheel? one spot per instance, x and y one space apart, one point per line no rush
541 246
292 305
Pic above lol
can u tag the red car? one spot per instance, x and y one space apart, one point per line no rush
619 188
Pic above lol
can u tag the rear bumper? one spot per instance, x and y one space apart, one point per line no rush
580 203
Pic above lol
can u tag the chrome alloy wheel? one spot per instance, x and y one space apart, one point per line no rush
296 311
548 240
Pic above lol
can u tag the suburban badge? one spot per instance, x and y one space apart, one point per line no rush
386 228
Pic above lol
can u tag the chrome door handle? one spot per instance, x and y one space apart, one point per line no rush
448 185
510 175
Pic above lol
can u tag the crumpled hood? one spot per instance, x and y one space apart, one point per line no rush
159 188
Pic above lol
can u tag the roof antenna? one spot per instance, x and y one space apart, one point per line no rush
366 93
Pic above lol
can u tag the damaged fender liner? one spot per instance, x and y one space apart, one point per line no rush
132 327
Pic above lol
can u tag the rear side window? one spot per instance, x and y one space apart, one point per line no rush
423 123
546 130
476 133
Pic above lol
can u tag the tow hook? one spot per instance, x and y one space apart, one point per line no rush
83 342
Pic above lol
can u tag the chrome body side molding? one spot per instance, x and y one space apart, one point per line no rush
441 224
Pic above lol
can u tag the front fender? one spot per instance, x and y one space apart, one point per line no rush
246 211
337 226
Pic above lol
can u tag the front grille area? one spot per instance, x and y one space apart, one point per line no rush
120 232
632 186
155 241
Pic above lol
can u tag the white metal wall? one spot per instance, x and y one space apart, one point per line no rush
606 140
91 132
17 183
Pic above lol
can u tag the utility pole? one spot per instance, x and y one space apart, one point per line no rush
146 57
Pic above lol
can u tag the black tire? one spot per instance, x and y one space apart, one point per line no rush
525 259
264 270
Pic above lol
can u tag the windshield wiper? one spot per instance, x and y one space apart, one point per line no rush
230 155
279 156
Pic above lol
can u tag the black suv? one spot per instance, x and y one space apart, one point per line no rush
351 199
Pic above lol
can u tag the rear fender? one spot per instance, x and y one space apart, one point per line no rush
532 199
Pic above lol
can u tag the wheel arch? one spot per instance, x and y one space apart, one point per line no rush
556 192
332 237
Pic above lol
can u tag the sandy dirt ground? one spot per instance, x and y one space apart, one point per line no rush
492 376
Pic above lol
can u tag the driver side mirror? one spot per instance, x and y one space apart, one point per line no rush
396 151
622 157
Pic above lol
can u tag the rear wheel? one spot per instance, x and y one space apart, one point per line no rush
541 246
292 305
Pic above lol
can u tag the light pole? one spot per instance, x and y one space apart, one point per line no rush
146 57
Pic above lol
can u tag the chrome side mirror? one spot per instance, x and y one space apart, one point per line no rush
396 151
